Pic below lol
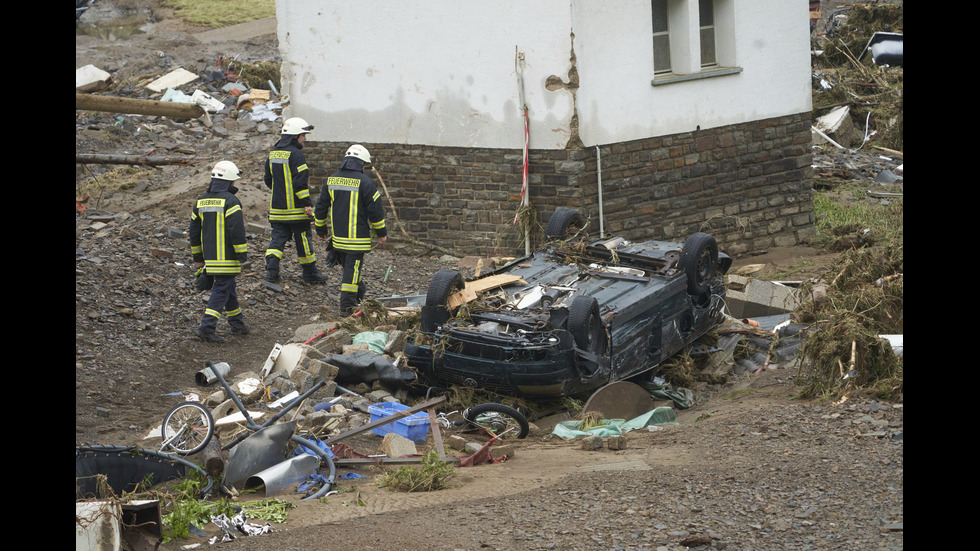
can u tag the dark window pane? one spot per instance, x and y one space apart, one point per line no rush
659 15
707 46
661 54
707 9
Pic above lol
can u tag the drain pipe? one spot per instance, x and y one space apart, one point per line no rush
598 162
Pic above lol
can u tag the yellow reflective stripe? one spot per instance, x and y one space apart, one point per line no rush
233 313
303 194
232 210
377 195
242 248
352 215
212 313
274 252
378 225
357 271
348 288
301 168
197 249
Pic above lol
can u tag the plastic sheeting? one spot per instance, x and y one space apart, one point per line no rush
615 427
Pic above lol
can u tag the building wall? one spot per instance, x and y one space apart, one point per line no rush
446 73
431 88
748 184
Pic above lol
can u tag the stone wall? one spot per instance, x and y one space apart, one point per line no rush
749 184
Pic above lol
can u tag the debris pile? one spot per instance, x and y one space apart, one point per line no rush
860 94
847 348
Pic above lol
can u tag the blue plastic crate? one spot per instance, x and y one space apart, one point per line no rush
415 427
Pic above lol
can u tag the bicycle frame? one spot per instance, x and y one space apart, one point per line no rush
252 427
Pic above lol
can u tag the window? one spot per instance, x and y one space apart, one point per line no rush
707 26
661 38
693 39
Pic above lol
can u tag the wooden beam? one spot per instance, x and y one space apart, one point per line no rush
98 159
385 420
129 106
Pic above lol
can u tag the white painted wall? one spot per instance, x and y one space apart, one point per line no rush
443 73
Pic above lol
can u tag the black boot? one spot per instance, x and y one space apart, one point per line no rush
271 269
312 275
208 336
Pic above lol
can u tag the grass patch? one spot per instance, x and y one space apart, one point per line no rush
841 222
432 475
222 13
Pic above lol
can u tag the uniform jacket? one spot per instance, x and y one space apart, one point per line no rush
349 208
287 175
217 230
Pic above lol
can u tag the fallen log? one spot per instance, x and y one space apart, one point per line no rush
129 106
100 159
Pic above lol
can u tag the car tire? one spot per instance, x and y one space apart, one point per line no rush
436 310
585 325
561 221
699 261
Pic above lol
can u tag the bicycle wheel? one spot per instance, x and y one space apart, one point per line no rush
497 418
187 428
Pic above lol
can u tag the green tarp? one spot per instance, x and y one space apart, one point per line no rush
612 427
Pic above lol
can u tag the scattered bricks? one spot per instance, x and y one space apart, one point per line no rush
456 442
325 393
616 442
101 412
322 370
284 385
316 419
307 354
396 342
333 342
215 398
395 445
472 447
592 443
379 396
503 450
351 348
303 379
162 253
224 409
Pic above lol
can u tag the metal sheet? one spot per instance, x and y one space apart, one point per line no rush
281 476
620 400
265 448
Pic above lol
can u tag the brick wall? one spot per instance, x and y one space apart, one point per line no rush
750 185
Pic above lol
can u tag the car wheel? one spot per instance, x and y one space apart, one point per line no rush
561 222
699 261
436 311
585 325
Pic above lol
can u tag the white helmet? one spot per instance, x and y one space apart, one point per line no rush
359 151
296 126
226 170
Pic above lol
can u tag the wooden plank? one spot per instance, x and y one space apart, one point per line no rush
479 285
385 420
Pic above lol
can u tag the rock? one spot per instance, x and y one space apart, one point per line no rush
592 443
396 445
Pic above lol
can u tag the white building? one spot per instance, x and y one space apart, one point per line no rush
441 74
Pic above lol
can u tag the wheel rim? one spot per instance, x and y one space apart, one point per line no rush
189 426
497 423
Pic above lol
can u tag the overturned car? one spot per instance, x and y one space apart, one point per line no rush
571 317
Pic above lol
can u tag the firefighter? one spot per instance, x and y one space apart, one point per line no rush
348 210
217 235
290 209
